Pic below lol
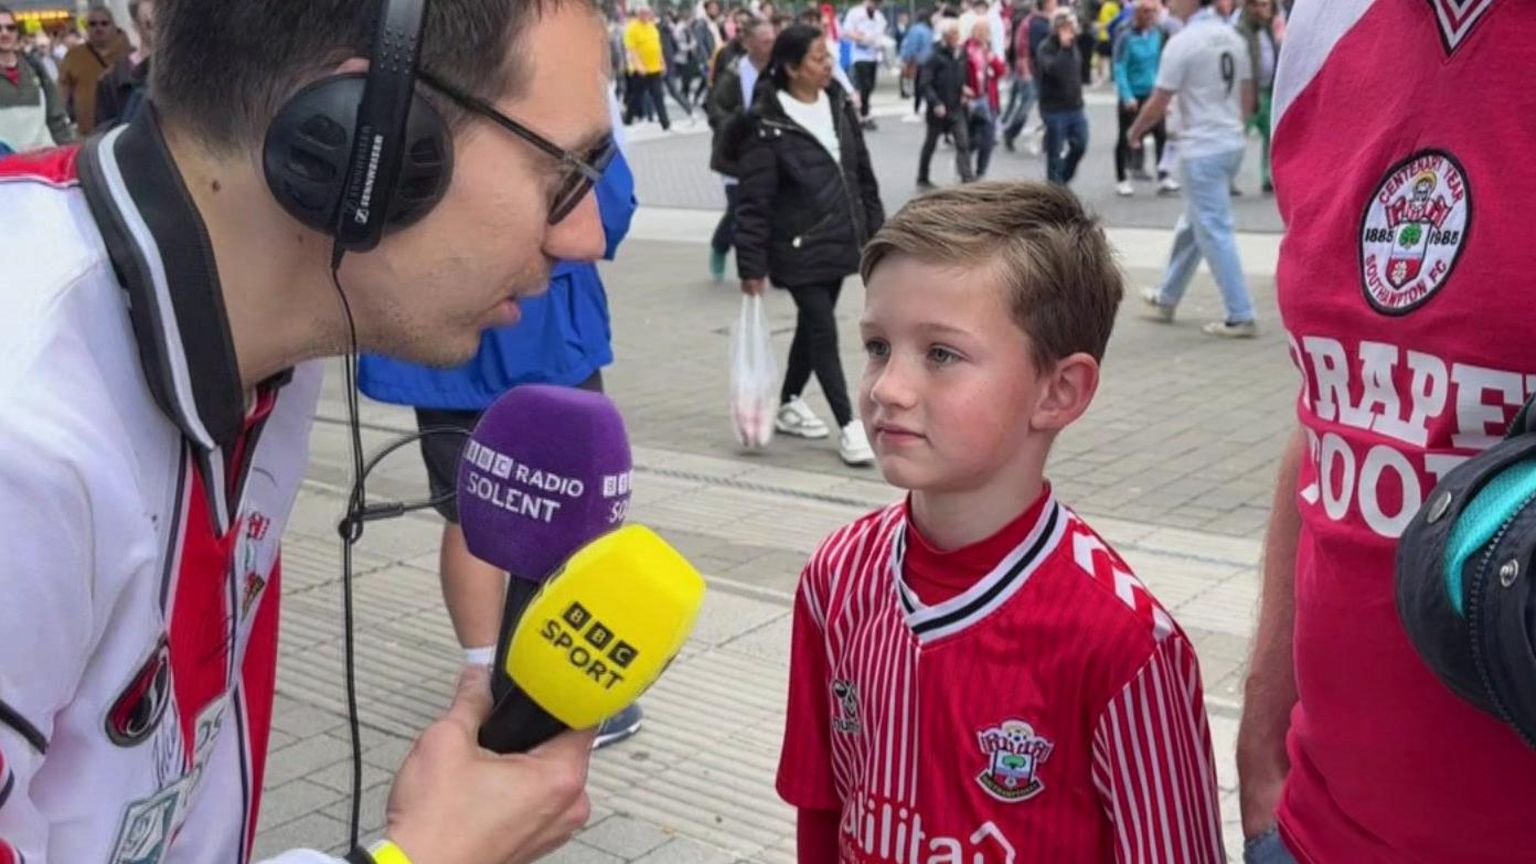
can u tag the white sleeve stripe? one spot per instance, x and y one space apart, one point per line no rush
1315 26
1182 791
1157 725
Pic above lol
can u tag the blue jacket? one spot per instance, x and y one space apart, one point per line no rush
1136 57
562 338
917 47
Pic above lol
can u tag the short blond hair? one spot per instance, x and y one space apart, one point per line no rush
1049 255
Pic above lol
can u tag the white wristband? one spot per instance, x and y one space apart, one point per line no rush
483 656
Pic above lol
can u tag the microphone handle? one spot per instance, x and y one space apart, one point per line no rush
518 724
519 593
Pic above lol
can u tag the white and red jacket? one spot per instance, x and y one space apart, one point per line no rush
141 503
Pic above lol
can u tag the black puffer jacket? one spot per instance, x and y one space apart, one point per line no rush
802 218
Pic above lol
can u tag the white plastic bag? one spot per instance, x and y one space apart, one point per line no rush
754 375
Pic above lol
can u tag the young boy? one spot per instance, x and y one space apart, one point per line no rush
977 677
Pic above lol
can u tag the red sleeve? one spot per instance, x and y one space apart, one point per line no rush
816 836
805 763
1152 763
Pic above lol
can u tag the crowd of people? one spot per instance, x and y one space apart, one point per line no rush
60 85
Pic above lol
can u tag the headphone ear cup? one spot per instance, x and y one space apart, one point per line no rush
426 166
308 147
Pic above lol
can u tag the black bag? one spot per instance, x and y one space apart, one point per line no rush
1465 566
726 150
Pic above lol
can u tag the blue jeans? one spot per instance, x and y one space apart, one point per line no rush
1267 848
1064 131
1021 101
1205 231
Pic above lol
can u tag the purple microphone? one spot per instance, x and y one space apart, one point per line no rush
546 472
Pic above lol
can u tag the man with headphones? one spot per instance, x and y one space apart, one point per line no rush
307 178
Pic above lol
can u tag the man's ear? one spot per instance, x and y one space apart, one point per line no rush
1066 392
352 64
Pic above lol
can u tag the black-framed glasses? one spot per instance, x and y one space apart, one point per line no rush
581 171
9 28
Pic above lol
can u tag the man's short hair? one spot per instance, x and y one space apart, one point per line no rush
223 68
1036 240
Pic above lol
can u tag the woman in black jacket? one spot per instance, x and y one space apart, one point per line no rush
808 202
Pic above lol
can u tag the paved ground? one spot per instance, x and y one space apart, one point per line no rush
1173 464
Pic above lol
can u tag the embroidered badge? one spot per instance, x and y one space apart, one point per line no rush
1413 230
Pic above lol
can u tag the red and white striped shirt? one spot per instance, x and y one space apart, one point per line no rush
1052 711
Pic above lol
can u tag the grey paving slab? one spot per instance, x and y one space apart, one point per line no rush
625 836
682 851
578 852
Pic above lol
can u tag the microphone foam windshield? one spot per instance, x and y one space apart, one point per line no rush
546 471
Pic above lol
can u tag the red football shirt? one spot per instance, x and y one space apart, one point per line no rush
1402 135
1052 711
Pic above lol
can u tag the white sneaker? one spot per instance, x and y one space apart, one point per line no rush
853 445
1124 189
796 418
1156 309
1168 187
1231 330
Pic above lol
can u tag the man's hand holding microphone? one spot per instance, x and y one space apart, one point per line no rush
594 613
457 803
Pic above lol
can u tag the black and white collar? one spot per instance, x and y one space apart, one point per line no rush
164 261
991 591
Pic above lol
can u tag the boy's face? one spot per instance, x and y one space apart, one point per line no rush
950 396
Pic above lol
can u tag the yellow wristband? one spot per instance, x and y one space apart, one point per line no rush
386 852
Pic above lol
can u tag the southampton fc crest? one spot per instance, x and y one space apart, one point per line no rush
1014 756
1413 230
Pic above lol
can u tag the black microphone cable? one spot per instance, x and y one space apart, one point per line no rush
359 512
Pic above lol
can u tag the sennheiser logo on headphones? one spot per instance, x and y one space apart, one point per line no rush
366 201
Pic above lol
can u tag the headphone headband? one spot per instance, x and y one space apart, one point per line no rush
380 130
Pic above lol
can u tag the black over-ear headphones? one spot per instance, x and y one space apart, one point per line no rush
354 155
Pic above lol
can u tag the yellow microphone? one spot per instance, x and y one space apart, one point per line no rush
596 636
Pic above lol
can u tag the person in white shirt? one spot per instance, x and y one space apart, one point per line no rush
864 25
1206 66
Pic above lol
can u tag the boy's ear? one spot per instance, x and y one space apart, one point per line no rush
1066 392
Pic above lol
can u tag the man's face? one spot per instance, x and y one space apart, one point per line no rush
10 32
1146 14
1183 9
429 290
712 9
1264 10
145 22
760 44
951 36
99 29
